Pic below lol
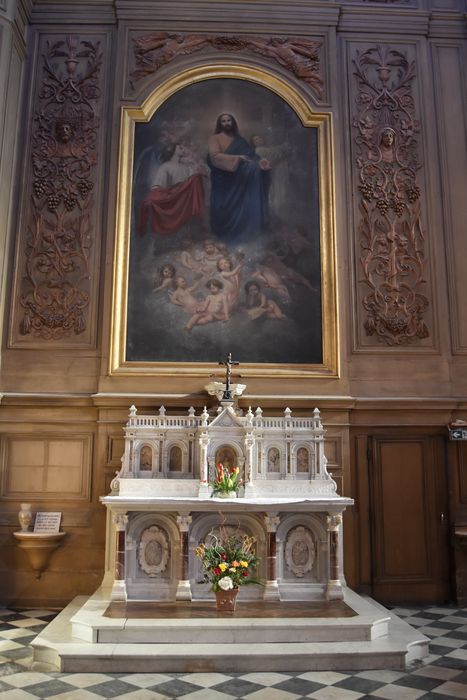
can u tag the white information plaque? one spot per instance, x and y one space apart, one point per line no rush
47 522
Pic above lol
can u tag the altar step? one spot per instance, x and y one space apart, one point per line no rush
198 622
376 639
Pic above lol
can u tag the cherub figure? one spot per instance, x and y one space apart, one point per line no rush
188 258
269 277
210 256
213 308
182 295
230 277
257 304
166 279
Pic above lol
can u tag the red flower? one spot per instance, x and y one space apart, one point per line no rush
245 573
217 571
223 556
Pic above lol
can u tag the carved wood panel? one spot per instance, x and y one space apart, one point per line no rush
391 237
298 55
57 245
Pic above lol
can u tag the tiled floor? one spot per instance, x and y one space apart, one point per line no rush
442 676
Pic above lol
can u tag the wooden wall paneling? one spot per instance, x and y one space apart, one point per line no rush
361 494
462 472
449 59
54 466
12 59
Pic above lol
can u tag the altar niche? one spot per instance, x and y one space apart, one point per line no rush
162 506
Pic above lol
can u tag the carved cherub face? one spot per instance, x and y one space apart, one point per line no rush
387 138
64 131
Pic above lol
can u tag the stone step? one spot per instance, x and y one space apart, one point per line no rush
56 648
190 658
199 623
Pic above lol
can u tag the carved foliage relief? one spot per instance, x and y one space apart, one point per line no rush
55 285
299 55
390 229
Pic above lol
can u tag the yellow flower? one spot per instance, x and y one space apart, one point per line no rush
244 563
222 566
232 570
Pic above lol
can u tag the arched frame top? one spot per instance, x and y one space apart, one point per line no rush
322 121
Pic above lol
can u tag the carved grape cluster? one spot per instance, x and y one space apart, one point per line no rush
397 205
413 193
367 191
70 202
382 205
53 200
84 186
39 187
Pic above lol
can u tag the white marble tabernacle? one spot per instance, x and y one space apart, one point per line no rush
161 505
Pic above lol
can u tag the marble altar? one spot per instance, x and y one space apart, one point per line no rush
161 506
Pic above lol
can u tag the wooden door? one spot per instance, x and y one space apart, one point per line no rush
408 519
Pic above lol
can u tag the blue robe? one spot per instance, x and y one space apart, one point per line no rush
239 199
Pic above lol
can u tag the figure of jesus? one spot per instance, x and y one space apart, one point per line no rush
239 184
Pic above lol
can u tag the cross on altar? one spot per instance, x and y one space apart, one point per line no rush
227 396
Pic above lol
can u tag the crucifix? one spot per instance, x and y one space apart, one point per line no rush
227 396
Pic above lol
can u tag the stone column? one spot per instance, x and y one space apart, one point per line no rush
119 586
334 589
249 445
203 461
271 590
183 586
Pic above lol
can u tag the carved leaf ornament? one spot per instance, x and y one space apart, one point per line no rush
55 283
390 230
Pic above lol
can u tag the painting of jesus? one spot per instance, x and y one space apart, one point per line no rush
225 252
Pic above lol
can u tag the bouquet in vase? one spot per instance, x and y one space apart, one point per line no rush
229 560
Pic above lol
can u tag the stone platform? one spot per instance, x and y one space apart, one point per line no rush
95 635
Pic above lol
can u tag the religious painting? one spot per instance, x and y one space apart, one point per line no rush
225 232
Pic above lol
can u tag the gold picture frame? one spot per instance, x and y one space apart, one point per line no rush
321 123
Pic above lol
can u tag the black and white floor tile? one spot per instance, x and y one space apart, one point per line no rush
441 676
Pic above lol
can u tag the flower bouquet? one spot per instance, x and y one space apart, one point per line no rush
229 561
226 481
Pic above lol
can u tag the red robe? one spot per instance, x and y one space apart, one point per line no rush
168 208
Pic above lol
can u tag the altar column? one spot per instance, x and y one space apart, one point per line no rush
203 442
271 590
119 585
334 587
249 443
183 586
